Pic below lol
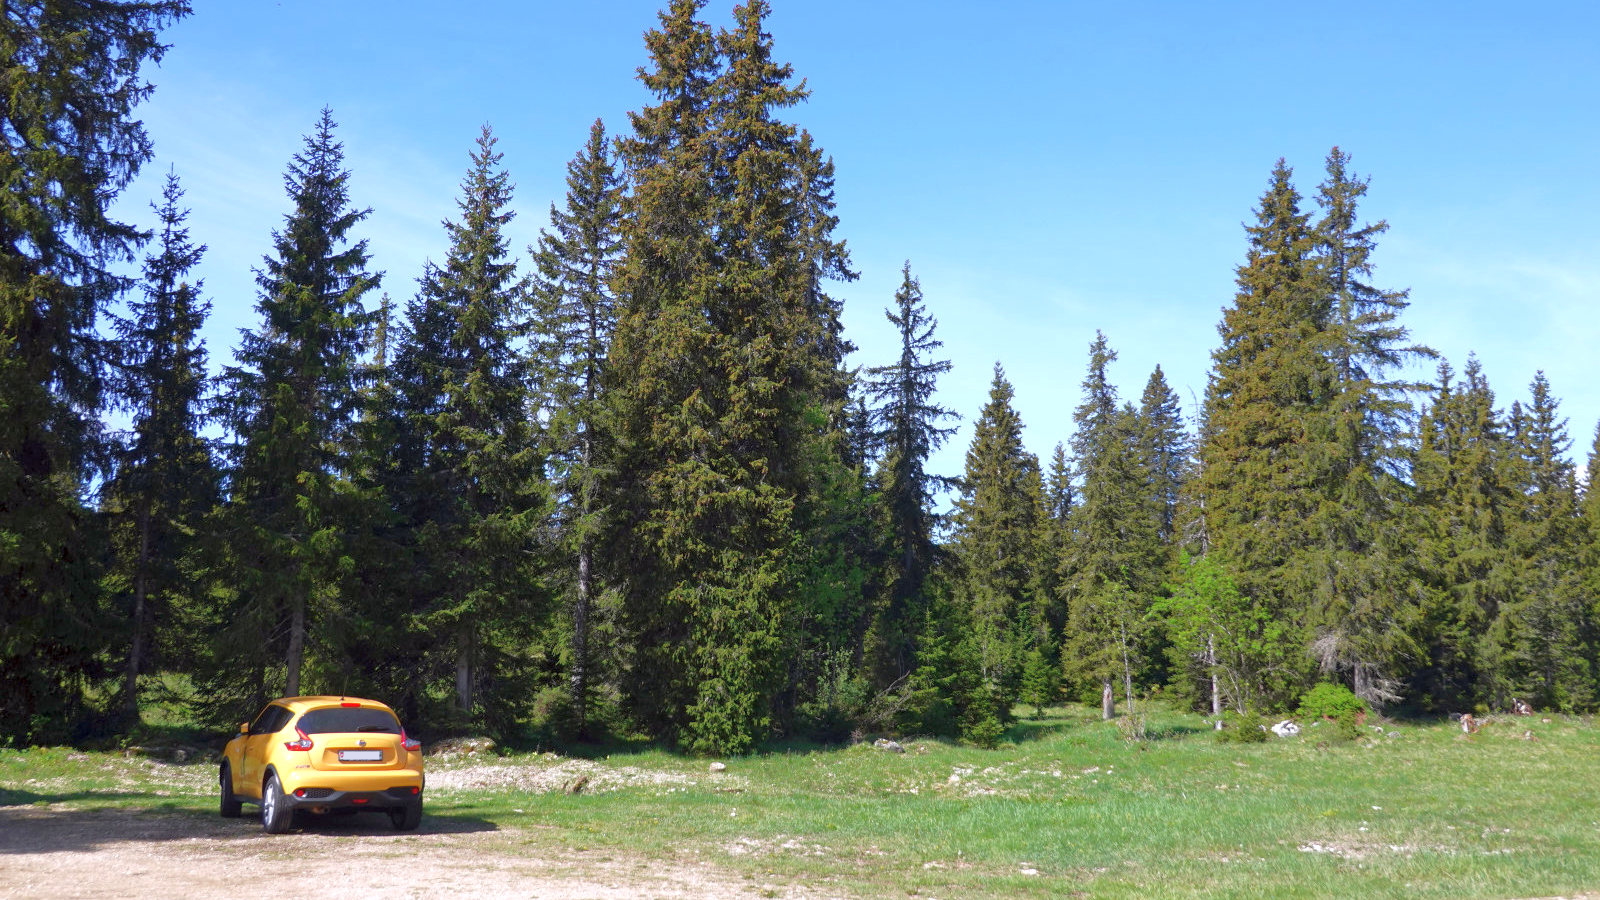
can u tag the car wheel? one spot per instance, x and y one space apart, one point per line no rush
229 805
408 817
276 814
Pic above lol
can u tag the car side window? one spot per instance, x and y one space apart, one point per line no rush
271 720
258 724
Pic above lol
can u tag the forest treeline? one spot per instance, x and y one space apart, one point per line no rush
630 480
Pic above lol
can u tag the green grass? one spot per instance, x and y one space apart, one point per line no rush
1509 812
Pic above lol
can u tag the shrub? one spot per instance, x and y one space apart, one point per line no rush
1243 728
1331 701
1336 703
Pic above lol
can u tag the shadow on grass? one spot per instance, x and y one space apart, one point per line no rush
13 797
34 829
1028 730
1174 732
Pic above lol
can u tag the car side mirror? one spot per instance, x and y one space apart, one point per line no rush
244 727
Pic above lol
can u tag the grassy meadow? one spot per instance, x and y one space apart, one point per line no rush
1066 807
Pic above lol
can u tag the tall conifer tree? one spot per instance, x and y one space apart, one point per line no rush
718 379
72 79
1591 519
164 479
1166 447
1357 571
576 316
1461 501
996 521
292 406
478 449
1544 641
1258 481
907 429
1114 560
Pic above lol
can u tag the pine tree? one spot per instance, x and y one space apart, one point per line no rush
292 405
164 479
576 260
996 519
908 429
72 82
1114 560
478 450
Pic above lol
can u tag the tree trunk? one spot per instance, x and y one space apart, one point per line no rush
580 643
464 676
1216 689
130 690
1108 702
297 647
1127 670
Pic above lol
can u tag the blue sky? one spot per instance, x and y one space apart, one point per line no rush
1049 169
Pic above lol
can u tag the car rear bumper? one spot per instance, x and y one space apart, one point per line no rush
322 799
373 789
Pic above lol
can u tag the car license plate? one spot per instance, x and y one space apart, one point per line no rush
360 755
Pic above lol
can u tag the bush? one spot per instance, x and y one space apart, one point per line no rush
1336 703
1331 701
1243 728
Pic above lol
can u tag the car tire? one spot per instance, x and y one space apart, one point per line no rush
229 804
408 817
276 813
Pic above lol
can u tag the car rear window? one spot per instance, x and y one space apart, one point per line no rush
348 720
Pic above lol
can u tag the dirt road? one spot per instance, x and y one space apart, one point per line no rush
49 853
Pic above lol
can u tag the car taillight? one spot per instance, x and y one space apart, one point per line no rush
407 743
351 704
303 744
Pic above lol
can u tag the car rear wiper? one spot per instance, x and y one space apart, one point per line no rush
383 728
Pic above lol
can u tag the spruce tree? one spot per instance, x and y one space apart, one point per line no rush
651 367
1166 447
1260 480
575 317
908 430
1356 570
718 382
471 422
72 82
1113 565
996 521
1591 519
292 405
164 480
1267 376
1052 546
1459 532
1544 642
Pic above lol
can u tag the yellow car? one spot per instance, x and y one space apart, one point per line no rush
323 754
